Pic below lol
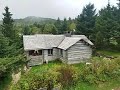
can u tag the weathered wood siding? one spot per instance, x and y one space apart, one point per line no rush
55 53
34 60
79 52
37 60
52 57
64 56
46 57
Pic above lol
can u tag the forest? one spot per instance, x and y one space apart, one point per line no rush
102 28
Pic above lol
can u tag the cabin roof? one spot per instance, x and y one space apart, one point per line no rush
69 41
47 41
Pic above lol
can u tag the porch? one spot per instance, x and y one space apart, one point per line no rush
37 57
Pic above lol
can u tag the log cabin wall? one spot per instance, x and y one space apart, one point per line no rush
79 52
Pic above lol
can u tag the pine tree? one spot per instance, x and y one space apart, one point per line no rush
4 44
12 40
58 25
50 29
99 40
69 20
26 30
7 26
107 24
86 20
64 26
117 18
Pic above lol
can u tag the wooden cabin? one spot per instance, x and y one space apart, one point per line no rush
42 48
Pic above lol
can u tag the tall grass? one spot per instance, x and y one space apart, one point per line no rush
71 77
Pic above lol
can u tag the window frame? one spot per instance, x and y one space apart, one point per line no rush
35 53
40 52
61 52
50 52
31 52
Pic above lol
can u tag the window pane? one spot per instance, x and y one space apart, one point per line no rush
50 52
31 52
40 52
61 52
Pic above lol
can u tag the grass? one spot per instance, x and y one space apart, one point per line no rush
110 53
44 67
109 85
82 86
112 84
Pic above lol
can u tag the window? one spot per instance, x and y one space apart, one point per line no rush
50 52
82 40
31 52
35 53
40 52
61 52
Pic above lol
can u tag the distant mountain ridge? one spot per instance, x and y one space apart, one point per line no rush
33 19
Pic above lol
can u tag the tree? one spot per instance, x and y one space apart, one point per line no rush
26 30
7 26
50 29
99 40
69 20
117 18
34 30
10 37
72 26
86 20
107 24
58 25
64 26
4 44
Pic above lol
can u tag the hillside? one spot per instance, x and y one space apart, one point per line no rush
33 19
80 76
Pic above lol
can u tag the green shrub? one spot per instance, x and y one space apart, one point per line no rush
101 70
68 75
36 81
55 76
7 67
60 75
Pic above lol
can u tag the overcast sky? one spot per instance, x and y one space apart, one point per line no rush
49 8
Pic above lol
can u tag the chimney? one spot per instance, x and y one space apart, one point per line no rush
68 33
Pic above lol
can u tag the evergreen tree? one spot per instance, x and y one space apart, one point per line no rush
69 20
50 29
99 40
10 38
26 30
7 26
117 18
58 25
64 26
106 23
4 44
86 20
